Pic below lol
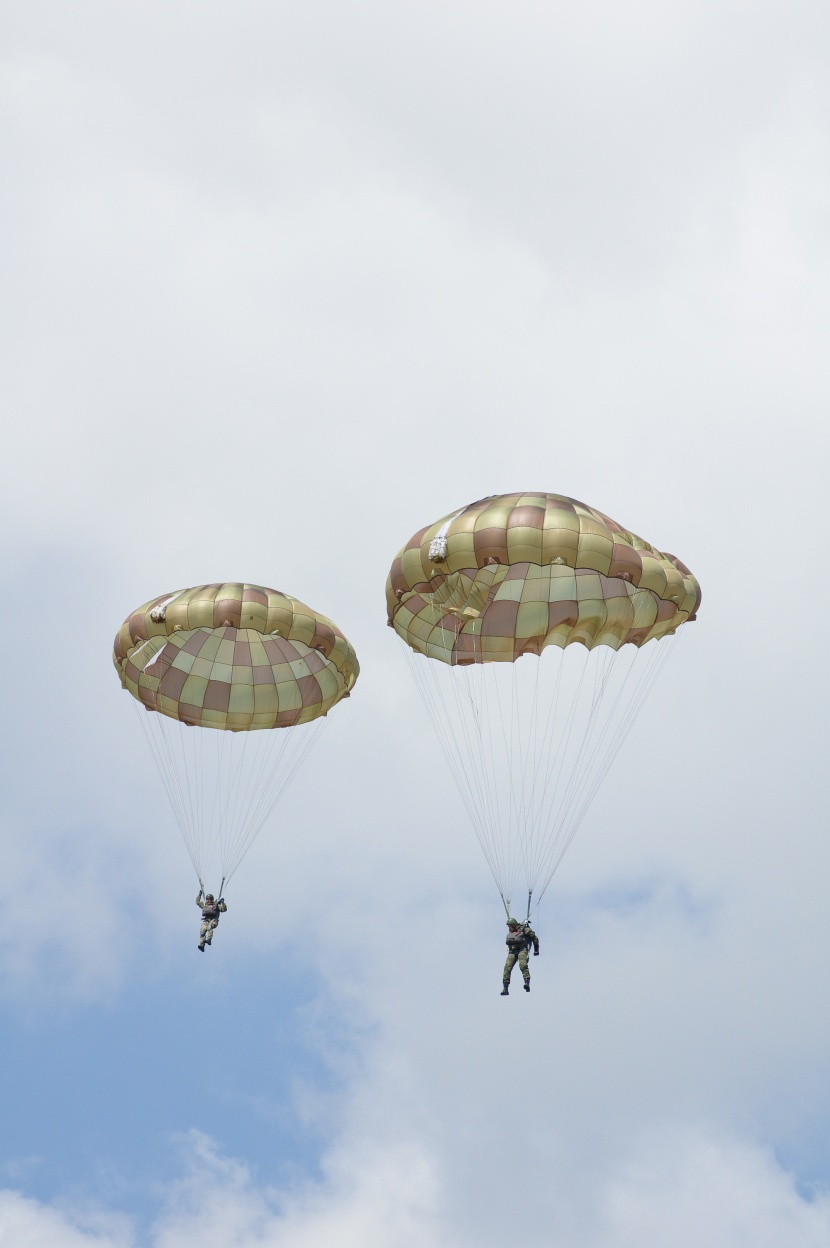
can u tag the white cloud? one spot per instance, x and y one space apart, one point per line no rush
30 1224
378 1195
689 1189
676 1186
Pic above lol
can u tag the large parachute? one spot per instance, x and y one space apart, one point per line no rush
243 661
532 574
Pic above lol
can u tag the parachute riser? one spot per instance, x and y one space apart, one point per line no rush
202 892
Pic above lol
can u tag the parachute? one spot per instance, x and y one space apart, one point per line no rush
221 668
527 577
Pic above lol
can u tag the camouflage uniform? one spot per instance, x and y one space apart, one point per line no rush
210 918
519 939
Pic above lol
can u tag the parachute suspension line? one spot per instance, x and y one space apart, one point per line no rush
420 675
554 766
238 788
253 781
595 762
482 676
472 782
526 820
473 681
202 765
526 785
469 688
243 799
532 818
655 663
543 754
476 784
558 815
596 765
185 771
198 747
422 669
517 769
512 805
528 754
506 905
246 778
470 684
163 759
292 757
557 840
529 901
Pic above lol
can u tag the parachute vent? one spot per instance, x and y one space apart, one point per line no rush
438 550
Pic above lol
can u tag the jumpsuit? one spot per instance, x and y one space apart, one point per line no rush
518 943
210 918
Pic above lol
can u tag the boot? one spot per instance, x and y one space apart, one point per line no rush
201 946
527 985
505 991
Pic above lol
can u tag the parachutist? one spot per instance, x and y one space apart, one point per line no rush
520 936
211 909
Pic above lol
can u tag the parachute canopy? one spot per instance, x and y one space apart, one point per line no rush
234 656
238 658
512 574
528 744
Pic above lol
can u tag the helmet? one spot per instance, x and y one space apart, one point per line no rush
209 897
513 923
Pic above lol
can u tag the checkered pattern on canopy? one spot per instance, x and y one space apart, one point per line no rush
234 656
525 571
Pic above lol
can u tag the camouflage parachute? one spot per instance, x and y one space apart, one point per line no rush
240 659
532 574
512 574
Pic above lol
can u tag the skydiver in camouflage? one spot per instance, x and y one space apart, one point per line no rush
520 936
211 909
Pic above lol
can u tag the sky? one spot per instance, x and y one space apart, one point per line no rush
286 283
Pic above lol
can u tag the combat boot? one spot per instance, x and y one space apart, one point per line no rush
201 946
505 992
527 985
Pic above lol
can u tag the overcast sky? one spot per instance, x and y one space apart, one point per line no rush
286 283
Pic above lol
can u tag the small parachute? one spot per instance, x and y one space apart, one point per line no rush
527 576
220 668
